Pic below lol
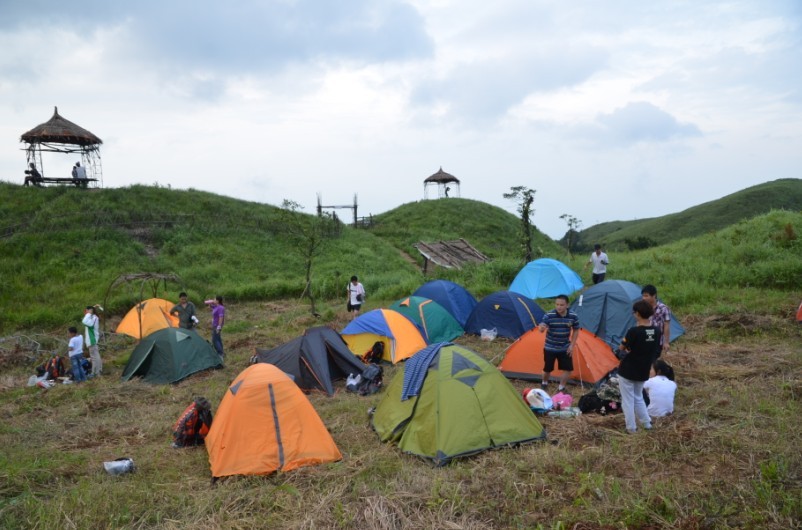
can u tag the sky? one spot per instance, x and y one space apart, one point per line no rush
612 110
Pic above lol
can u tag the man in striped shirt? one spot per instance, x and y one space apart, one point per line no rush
562 330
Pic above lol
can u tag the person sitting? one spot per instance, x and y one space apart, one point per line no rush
34 177
661 389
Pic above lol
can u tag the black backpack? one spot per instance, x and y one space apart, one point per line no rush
374 354
371 380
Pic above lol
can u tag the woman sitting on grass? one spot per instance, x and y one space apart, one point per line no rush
661 389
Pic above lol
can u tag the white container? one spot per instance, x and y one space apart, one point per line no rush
119 466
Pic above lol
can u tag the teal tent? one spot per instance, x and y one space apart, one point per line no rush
169 355
432 320
463 406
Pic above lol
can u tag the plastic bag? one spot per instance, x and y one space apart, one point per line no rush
488 334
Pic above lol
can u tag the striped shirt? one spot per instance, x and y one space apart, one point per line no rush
558 336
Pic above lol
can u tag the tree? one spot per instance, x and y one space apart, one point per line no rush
524 197
309 234
574 225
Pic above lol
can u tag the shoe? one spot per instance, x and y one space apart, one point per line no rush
648 427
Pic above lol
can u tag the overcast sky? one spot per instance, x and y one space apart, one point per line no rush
609 110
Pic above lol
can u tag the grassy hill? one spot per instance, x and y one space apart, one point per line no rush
783 194
727 458
63 247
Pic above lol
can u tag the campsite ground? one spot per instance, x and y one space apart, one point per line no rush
728 458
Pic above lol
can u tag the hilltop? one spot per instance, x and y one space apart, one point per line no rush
783 194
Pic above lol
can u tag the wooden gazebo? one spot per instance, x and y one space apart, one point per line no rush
59 135
447 185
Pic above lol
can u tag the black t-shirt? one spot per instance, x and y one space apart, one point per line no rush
643 343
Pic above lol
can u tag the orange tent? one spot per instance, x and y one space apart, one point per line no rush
155 315
266 424
593 358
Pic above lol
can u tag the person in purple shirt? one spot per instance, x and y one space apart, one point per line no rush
218 319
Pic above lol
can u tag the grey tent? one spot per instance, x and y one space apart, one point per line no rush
315 359
169 355
606 310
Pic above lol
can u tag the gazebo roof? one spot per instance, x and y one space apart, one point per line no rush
61 131
442 177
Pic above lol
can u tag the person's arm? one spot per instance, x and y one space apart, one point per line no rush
221 321
574 337
666 335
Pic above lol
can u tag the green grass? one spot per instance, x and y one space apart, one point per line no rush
728 458
705 218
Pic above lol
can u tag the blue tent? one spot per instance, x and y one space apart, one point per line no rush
606 310
512 314
546 278
453 297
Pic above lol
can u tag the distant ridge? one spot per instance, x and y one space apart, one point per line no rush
782 194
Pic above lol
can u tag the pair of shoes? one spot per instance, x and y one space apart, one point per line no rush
648 427
631 431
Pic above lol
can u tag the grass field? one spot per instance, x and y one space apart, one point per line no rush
728 458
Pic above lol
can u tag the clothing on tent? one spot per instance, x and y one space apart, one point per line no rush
416 368
465 406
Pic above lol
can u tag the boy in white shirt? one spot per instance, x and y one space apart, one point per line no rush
76 352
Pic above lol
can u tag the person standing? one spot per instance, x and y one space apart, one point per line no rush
562 330
661 317
75 350
218 320
638 350
356 296
91 338
599 261
185 311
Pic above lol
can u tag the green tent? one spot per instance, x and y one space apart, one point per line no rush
465 406
169 355
432 320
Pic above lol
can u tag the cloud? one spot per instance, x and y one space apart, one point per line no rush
643 122
483 91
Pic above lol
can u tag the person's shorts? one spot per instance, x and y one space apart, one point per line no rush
564 361
598 278
355 307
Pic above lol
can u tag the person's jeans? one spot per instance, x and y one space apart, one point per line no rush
633 405
78 374
217 342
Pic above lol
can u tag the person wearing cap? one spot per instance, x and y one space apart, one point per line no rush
599 261
185 311
91 337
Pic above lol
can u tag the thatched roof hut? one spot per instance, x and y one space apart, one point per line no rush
59 130
444 182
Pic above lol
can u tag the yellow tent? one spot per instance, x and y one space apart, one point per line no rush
154 314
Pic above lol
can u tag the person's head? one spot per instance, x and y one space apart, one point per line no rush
219 299
649 293
72 330
182 296
354 279
561 303
31 165
90 309
77 164
597 248
661 367
643 309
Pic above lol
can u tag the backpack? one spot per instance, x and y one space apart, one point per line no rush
193 425
371 381
53 368
592 402
375 354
